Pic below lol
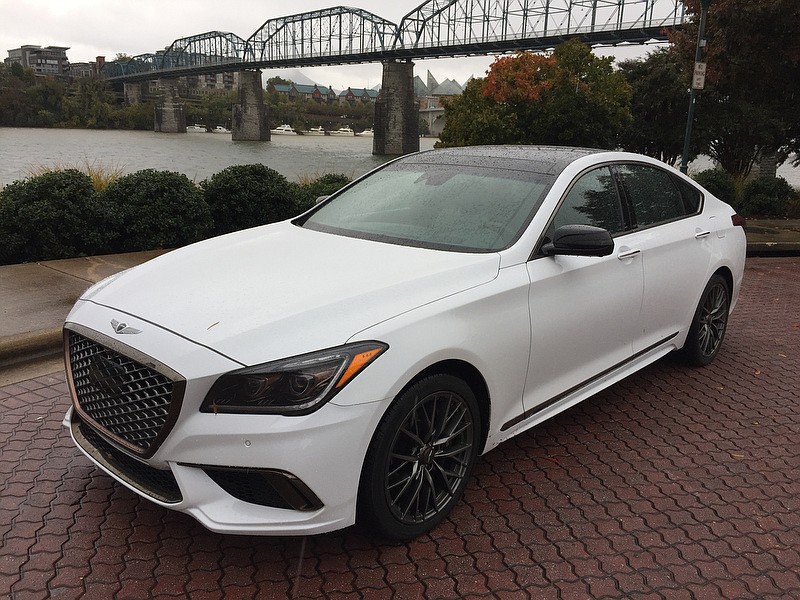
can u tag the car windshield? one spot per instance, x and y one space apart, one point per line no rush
461 207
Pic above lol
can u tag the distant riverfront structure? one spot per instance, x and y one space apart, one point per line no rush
345 35
52 61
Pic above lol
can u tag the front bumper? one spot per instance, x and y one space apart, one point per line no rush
245 474
320 463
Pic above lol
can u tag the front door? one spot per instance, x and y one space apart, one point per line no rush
584 310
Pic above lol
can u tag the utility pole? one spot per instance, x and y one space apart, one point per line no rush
698 81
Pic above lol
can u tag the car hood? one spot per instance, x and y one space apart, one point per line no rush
281 290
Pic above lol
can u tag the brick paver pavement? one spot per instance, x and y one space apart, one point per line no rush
676 483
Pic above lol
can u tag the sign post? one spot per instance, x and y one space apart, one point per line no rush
698 82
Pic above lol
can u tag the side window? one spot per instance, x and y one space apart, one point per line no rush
653 194
592 200
692 197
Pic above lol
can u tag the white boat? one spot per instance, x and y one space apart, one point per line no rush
343 131
220 129
196 128
283 130
367 132
315 131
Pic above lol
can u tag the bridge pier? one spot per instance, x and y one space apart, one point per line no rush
169 114
396 112
133 92
250 116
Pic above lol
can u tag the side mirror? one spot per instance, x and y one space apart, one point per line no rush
579 240
321 199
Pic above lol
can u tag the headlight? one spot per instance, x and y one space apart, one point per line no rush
293 386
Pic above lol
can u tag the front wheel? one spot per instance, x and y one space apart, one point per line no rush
709 324
420 457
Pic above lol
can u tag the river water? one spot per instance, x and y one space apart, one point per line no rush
24 151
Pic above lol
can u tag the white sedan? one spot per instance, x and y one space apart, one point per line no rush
353 362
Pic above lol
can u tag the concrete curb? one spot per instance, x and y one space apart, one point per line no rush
773 249
28 346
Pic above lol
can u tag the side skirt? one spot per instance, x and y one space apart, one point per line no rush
591 386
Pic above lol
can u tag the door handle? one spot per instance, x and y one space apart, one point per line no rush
701 234
628 254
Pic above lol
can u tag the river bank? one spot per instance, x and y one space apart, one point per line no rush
24 151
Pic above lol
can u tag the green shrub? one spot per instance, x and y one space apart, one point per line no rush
55 214
308 192
156 209
793 210
720 183
768 197
244 196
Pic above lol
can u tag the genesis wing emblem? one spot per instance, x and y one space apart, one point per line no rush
123 327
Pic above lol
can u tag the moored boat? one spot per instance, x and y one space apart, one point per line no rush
196 128
220 129
343 131
367 132
283 130
315 131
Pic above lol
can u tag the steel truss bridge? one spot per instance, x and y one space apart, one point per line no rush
437 28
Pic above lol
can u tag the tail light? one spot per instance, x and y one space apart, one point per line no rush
739 221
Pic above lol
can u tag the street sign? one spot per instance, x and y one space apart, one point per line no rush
699 77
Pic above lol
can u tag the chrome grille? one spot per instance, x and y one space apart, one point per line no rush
127 400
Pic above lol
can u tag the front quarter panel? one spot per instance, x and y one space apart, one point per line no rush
487 327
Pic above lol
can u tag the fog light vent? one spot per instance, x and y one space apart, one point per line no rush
265 487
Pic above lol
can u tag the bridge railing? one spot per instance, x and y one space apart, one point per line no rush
457 23
339 31
210 48
435 28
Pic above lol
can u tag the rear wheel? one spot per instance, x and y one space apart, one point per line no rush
420 457
709 324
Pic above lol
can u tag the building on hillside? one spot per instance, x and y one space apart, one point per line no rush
317 93
430 95
210 83
294 91
353 95
49 61
87 70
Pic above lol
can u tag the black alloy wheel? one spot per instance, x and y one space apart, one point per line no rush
420 457
709 324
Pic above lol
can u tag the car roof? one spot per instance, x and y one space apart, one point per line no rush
537 159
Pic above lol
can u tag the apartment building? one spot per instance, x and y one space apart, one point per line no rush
51 60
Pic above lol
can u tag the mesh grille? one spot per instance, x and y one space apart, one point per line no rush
126 399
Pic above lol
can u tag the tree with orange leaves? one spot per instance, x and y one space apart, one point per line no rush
570 97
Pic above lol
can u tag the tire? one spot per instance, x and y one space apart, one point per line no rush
420 458
709 323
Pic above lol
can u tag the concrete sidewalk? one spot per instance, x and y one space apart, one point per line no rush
36 297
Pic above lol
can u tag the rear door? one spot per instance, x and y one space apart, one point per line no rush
675 241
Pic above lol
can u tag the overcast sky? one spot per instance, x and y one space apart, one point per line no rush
93 28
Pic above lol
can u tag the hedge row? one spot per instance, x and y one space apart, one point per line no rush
771 197
58 214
